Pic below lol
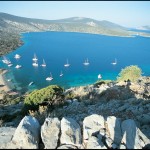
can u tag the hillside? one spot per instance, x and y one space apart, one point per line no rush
99 116
11 26
21 24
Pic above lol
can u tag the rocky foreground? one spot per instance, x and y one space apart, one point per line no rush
100 116
95 132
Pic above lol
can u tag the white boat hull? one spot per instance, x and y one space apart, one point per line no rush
35 64
18 66
49 78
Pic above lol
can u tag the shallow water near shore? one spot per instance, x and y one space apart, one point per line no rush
57 47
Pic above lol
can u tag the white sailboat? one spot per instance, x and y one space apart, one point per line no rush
35 64
31 83
49 78
114 63
86 63
67 64
61 74
9 65
5 60
35 57
17 56
44 64
99 76
18 66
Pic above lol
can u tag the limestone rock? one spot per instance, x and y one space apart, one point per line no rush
143 138
122 146
114 129
95 143
133 138
27 133
50 132
92 124
6 134
67 147
70 132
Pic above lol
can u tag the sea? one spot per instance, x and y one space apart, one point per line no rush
58 47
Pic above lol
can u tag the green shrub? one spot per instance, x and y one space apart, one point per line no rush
131 73
51 95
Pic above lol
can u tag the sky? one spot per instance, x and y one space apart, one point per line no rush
126 13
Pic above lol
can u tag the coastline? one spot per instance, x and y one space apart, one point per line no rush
3 83
21 43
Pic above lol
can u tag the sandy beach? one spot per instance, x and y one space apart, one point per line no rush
3 85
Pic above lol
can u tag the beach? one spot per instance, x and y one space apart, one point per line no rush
3 84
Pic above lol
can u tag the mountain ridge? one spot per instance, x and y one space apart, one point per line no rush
12 26
72 19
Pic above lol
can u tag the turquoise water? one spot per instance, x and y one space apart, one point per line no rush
57 47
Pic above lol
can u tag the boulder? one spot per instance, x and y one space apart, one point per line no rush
27 134
122 146
114 129
6 134
50 132
133 138
91 125
67 147
144 139
95 143
129 133
70 132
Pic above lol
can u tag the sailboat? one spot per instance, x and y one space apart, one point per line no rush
99 76
18 66
67 64
35 57
61 74
35 64
44 64
5 60
114 63
31 83
49 78
9 65
86 63
17 56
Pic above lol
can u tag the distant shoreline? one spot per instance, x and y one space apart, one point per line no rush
21 43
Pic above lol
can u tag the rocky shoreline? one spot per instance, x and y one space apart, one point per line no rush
3 85
94 116
5 88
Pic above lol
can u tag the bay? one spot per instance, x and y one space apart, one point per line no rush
56 47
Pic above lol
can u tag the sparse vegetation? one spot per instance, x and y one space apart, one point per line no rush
131 73
70 96
9 41
100 82
51 95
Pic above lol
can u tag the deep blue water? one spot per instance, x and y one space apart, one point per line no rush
56 47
